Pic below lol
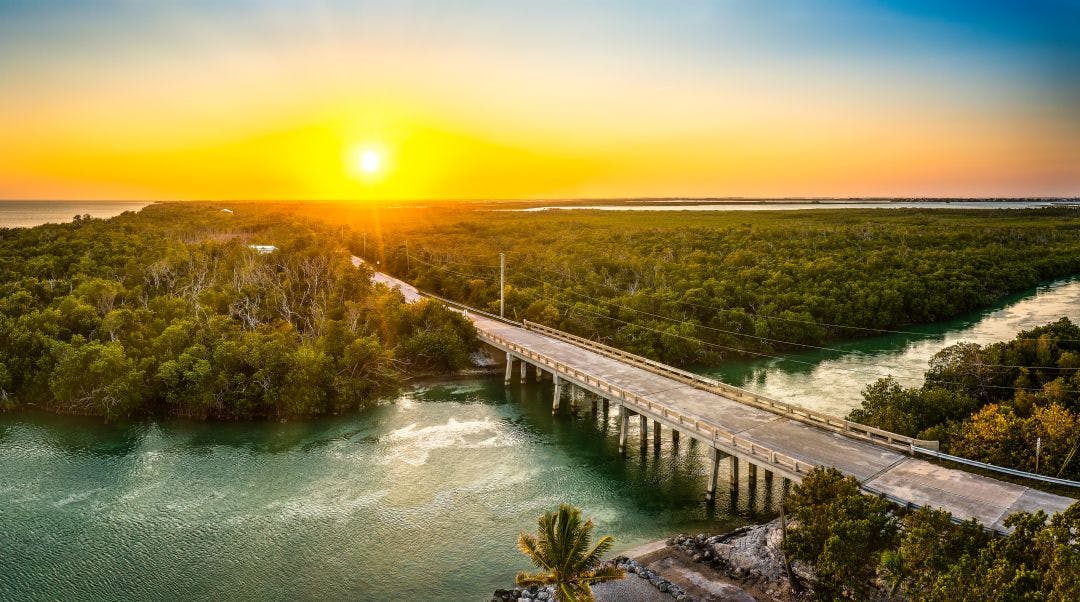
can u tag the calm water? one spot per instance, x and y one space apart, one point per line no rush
26 214
420 499
833 381
690 205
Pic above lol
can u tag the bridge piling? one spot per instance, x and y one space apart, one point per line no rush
644 428
539 374
785 448
751 485
767 502
556 395
624 424
656 436
714 469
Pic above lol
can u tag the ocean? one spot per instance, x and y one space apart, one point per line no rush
26 214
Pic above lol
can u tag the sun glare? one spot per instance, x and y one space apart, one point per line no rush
370 161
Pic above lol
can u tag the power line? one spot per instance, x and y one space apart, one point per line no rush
746 351
746 335
787 359
771 340
811 322
444 268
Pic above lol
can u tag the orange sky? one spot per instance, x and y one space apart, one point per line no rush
276 102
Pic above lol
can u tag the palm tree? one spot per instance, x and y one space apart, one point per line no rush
561 550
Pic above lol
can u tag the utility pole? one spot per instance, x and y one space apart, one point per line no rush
365 243
502 284
1038 450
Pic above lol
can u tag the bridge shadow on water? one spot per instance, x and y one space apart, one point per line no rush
671 477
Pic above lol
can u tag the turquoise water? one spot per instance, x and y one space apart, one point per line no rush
419 499
833 381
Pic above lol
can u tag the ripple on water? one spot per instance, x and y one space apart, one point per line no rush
421 498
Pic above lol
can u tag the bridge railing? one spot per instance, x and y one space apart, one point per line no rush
794 412
718 437
995 468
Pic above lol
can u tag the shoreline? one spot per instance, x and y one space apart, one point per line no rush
410 381
741 565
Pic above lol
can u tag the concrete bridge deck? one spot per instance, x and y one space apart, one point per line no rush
779 440
768 439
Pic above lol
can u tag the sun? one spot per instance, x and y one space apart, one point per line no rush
370 161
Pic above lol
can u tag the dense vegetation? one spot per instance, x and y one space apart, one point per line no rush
169 311
862 548
694 287
994 403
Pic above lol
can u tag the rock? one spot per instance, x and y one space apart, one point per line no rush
753 552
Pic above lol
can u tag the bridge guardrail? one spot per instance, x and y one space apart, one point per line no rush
466 308
720 438
794 412
820 419
996 468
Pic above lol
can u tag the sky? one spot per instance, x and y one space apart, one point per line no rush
458 99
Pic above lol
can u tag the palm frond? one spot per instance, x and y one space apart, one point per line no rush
604 573
525 579
595 556
578 592
534 549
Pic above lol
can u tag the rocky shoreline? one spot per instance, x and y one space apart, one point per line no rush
743 565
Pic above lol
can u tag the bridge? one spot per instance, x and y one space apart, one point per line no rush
745 428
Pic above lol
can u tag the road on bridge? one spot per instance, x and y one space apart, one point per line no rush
882 469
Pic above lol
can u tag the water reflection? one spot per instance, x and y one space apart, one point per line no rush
423 497
833 381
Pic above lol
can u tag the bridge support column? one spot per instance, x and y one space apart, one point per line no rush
524 367
557 394
714 469
751 485
624 424
734 473
675 438
656 435
644 422
509 369
540 374
767 502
